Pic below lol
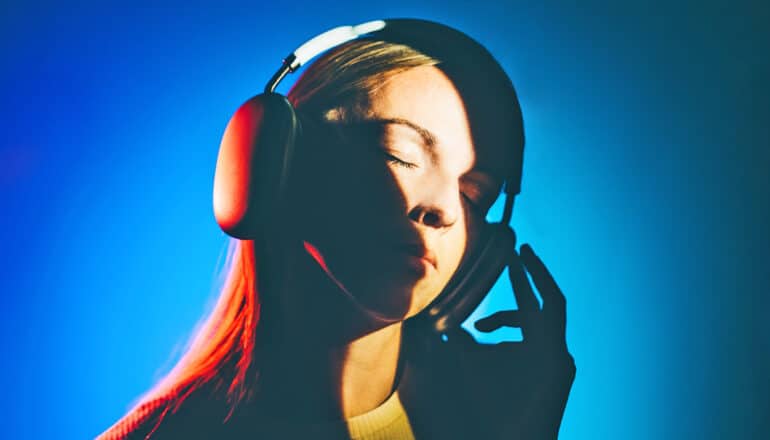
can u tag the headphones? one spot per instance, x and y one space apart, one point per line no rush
262 136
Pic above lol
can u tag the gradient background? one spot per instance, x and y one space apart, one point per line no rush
645 191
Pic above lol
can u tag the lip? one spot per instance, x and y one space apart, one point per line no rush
419 251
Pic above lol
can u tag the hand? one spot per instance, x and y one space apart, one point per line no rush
524 385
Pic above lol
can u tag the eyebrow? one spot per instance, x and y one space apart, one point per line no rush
429 139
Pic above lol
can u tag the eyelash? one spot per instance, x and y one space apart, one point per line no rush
394 160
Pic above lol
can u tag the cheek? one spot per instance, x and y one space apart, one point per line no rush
463 238
360 194
452 249
349 203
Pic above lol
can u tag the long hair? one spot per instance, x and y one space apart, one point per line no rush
220 359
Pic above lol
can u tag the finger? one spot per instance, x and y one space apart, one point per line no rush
505 318
552 296
526 301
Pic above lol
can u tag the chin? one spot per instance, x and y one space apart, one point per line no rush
420 295
399 299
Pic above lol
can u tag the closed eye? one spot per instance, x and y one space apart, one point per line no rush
475 207
395 160
482 189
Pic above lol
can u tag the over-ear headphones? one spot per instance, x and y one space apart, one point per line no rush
259 143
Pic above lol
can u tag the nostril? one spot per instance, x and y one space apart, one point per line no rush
435 218
431 219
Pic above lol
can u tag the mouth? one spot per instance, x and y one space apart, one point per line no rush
420 253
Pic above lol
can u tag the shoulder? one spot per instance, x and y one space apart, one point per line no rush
139 422
162 418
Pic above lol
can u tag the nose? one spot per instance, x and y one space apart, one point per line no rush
439 209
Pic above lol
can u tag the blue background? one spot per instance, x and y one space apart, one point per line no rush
645 191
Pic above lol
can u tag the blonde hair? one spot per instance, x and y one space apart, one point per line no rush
341 81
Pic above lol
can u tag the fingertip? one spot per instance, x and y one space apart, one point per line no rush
527 249
482 326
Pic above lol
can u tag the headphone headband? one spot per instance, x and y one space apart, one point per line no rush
319 44
422 33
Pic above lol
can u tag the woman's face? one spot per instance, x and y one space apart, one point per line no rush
400 200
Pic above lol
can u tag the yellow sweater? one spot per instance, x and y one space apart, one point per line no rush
388 421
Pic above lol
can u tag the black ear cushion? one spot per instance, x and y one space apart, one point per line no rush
278 149
472 281
253 166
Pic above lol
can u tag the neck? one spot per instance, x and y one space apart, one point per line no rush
320 358
304 381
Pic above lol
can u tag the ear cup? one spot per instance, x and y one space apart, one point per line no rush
472 280
253 166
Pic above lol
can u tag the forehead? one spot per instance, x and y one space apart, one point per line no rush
426 98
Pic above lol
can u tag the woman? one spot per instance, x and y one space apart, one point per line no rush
405 147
